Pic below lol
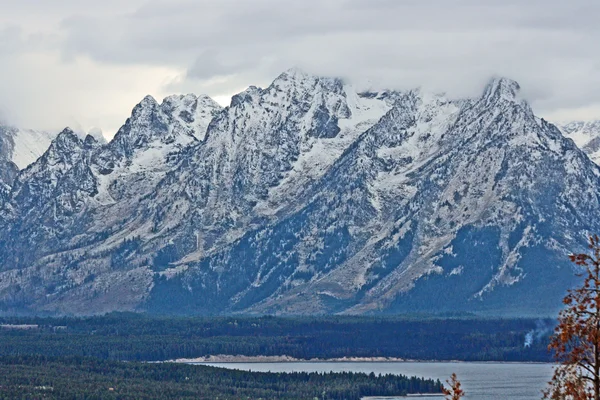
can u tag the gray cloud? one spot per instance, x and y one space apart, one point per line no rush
221 46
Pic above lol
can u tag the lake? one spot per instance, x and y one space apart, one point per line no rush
481 381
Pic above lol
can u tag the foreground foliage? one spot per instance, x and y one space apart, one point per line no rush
454 390
83 378
576 342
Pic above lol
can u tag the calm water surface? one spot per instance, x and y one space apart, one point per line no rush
481 381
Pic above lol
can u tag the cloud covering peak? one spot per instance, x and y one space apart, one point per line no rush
87 63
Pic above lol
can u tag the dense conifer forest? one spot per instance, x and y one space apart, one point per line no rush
133 337
37 377
100 357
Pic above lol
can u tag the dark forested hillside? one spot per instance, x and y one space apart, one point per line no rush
140 338
81 378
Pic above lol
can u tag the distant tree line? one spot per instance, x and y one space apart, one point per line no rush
136 337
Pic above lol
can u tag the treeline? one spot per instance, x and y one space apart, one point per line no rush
37 377
136 337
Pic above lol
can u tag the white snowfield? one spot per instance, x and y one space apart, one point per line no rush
586 136
29 145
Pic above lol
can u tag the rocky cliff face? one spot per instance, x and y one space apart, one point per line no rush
8 169
304 197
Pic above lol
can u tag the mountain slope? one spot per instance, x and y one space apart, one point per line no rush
262 151
63 206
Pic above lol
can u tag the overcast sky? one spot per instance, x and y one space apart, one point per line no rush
86 63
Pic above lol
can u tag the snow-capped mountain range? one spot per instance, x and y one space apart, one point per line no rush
307 196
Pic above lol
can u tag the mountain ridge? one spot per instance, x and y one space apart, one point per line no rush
305 197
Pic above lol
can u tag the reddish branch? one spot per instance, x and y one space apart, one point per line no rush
454 392
576 341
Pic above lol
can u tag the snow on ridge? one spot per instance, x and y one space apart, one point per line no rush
190 113
434 115
29 145
320 153
586 135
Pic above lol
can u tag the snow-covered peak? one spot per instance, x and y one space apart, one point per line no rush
586 135
66 139
64 152
295 73
149 144
297 82
177 122
501 88
295 77
96 133
245 96
142 127
147 102
190 114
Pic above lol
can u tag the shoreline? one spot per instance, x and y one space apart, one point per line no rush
239 359
224 359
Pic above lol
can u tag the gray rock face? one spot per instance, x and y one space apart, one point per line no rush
8 169
304 197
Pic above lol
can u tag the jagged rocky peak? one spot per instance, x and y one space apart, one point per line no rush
303 87
148 102
91 141
66 140
319 106
297 79
144 125
295 87
501 88
64 152
245 96
178 121
66 157
190 114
